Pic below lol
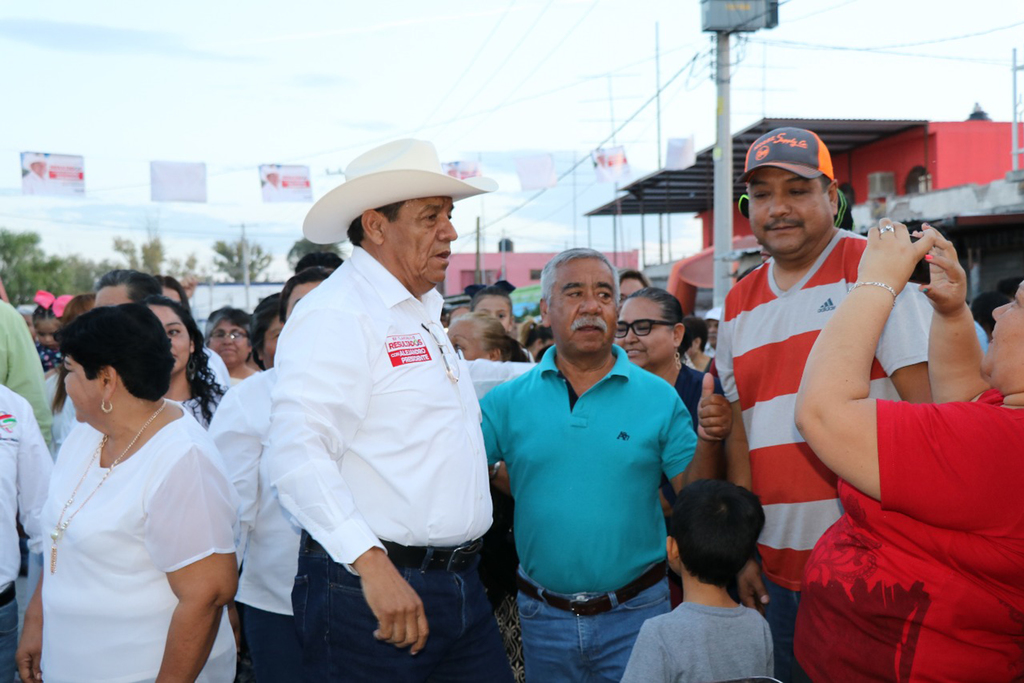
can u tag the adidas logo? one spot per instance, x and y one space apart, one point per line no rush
827 306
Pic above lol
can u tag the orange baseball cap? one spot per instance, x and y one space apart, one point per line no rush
792 149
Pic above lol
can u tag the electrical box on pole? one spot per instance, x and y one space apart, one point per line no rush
725 17
734 16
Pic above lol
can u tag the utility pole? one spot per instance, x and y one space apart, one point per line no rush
503 248
245 267
724 17
574 199
657 94
477 276
722 156
618 211
1016 150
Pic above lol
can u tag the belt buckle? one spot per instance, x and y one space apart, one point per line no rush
577 604
466 550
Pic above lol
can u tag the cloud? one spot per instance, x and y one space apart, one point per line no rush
65 36
368 126
321 81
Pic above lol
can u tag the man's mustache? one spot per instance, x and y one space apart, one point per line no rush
589 321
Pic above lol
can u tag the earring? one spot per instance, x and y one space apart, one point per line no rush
106 406
679 361
190 369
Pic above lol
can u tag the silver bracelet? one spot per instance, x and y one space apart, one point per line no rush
877 284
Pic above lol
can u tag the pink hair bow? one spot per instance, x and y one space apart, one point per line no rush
54 303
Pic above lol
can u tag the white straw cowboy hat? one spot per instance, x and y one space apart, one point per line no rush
267 169
399 170
29 158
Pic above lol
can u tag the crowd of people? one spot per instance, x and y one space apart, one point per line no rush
813 482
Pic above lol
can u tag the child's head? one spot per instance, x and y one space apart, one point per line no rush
46 325
715 526
495 302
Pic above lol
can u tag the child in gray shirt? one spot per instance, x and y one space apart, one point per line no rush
709 637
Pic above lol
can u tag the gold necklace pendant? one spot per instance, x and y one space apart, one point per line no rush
62 524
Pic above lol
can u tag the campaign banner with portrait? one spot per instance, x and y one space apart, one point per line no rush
681 154
462 169
610 164
52 174
285 183
174 181
536 172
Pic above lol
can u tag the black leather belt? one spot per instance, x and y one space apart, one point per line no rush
431 557
7 595
420 557
599 604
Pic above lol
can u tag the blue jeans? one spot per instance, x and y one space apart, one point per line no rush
781 616
8 640
336 627
273 645
560 646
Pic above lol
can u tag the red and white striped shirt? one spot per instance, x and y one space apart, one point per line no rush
764 339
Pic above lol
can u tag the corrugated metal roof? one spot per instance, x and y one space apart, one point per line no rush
692 190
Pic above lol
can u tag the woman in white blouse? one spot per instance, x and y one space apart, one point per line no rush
140 516
269 543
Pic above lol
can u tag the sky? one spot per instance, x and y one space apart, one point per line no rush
318 83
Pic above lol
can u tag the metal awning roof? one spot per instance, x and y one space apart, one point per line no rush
691 190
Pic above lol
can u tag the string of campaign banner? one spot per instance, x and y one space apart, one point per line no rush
63 175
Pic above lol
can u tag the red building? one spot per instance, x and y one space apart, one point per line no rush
875 161
521 269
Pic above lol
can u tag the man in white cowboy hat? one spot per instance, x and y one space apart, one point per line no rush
376 447
34 180
271 177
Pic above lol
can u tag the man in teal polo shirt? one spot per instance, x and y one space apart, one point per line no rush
585 438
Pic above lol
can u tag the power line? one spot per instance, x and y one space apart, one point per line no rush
950 38
504 62
536 68
115 226
821 11
528 200
873 50
469 65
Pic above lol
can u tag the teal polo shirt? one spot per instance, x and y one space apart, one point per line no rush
585 480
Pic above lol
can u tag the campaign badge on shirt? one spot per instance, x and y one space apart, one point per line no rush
7 424
406 348
7 421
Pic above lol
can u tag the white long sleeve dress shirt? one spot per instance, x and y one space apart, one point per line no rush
268 546
25 468
371 437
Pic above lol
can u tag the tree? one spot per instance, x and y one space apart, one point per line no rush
149 258
304 246
22 261
180 268
126 248
25 268
228 260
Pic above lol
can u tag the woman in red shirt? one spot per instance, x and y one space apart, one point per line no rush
921 579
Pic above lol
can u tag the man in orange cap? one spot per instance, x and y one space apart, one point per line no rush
767 329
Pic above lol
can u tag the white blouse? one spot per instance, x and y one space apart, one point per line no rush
108 606
63 420
269 541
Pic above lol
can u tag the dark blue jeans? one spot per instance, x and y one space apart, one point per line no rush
781 616
336 627
273 645
560 646
8 640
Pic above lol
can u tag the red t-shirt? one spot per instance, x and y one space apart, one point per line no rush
927 585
